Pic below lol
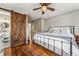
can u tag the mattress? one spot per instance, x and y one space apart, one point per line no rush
67 35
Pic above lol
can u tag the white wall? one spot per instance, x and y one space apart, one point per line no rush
37 26
66 19
42 25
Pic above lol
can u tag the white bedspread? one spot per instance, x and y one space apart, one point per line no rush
57 34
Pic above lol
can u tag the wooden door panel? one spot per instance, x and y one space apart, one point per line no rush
18 29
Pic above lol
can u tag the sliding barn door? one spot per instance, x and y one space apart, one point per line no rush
18 29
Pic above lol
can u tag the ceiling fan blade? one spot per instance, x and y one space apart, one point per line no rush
48 4
42 4
52 9
45 4
43 12
37 8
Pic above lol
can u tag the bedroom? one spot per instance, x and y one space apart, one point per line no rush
54 31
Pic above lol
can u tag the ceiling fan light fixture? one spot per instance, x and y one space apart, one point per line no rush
44 8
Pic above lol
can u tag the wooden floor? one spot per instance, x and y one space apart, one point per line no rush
28 50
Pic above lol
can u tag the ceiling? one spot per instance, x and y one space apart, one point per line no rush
27 8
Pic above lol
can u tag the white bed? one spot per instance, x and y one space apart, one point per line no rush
59 39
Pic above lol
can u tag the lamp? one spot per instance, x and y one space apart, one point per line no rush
44 8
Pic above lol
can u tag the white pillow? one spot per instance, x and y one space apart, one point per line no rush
55 30
60 30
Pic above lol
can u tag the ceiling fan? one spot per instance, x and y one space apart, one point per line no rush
44 7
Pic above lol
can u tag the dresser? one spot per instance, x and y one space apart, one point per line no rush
4 43
1 44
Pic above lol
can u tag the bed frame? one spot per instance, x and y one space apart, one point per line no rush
72 30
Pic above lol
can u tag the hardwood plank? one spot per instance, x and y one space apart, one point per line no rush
28 50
